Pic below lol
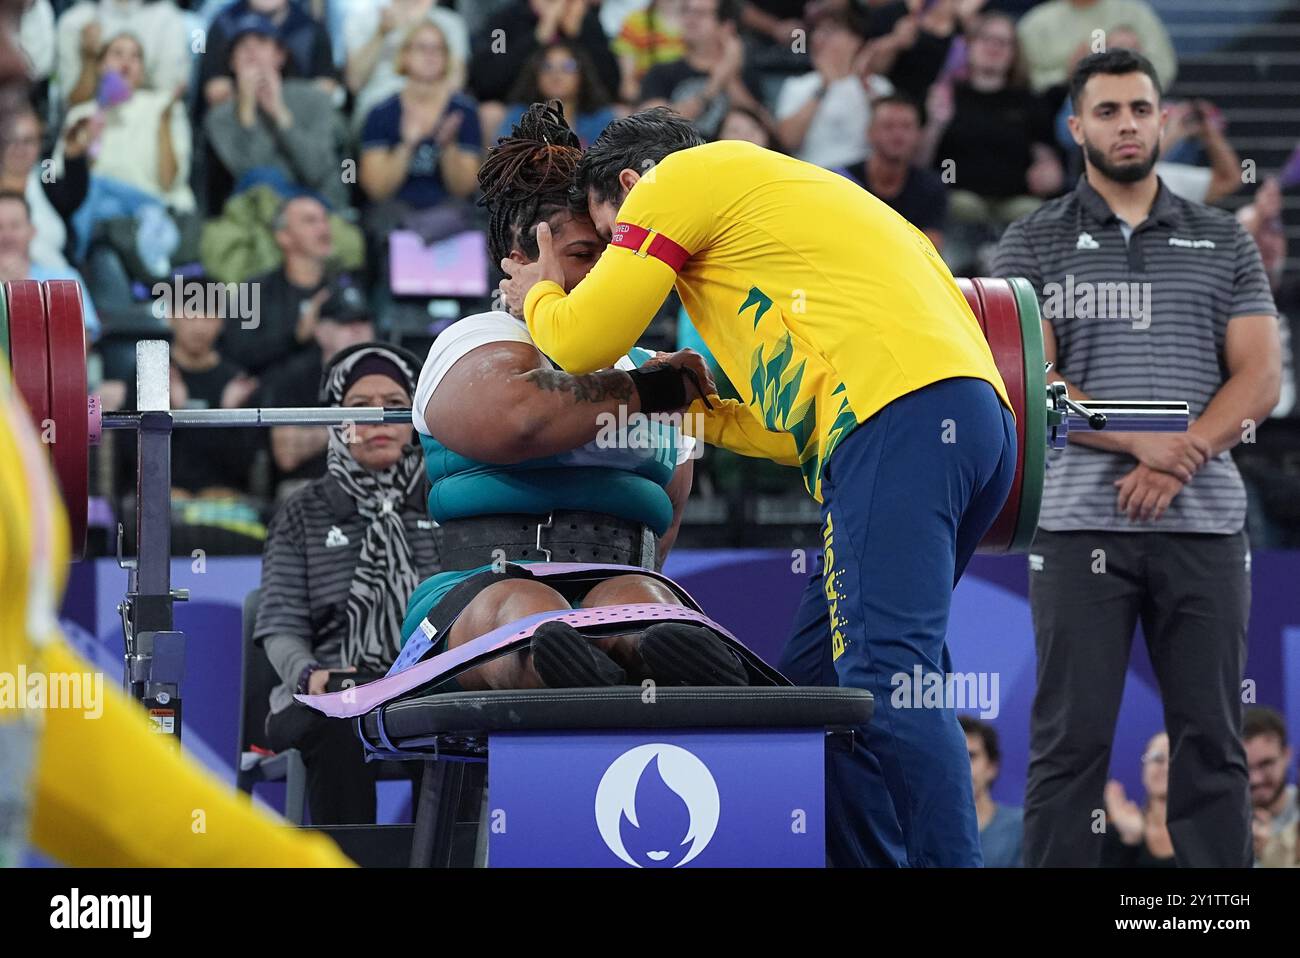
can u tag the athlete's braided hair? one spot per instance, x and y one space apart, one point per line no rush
527 178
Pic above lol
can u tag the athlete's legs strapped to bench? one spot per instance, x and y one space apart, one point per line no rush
511 599
500 604
628 590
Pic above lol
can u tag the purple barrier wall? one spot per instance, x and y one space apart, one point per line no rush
754 594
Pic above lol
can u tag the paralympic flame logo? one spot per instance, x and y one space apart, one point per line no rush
657 805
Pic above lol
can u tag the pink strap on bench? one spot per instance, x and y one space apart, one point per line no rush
363 698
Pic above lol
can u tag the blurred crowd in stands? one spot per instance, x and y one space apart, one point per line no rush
324 154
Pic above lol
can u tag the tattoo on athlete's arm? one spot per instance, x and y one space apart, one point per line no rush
591 388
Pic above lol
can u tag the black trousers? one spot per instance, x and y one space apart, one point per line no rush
340 782
1191 593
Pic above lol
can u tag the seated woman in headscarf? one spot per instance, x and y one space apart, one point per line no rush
342 557
529 463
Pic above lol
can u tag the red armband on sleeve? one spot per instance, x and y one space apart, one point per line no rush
644 242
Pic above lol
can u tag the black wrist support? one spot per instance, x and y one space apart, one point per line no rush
661 388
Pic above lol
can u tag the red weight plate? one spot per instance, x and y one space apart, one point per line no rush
70 449
967 288
28 348
1003 322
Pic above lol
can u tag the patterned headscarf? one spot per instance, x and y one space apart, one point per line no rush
386 574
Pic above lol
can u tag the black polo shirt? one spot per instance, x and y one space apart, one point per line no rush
1142 317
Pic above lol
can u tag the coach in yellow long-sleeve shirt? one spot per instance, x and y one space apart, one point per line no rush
98 789
857 358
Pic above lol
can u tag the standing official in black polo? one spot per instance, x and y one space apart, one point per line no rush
1145 296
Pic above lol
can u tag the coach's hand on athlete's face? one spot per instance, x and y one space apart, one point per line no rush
699 384
521 277
1145 493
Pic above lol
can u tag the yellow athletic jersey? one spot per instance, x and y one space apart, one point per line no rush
105 789
820 303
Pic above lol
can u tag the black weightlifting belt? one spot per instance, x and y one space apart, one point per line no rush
560 536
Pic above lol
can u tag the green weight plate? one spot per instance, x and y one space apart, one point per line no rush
4 325
1035 457
1002 329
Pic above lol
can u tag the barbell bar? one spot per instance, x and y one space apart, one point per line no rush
261 418
1115 416
46 340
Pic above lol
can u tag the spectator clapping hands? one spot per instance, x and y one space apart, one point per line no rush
237 391
1124 814
727 69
